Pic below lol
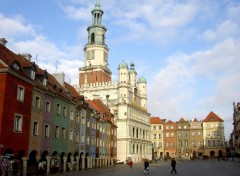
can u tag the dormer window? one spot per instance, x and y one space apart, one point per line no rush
44 81
16 66
32 74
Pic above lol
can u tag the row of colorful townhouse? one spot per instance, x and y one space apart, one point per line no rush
188 139
234 141
44 118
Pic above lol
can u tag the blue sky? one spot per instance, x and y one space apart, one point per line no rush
188 50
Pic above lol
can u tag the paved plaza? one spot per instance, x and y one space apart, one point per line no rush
211 167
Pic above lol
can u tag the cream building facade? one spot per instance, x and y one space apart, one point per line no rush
127 97
213 135
157 137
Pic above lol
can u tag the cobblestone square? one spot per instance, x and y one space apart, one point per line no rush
211 167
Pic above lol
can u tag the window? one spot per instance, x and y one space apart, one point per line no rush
58 109
44 81
87 140
16 66
172 134
199 143
208 133
186 143
167 144
218 143
18 123
37 102
160 145
35 128
180 143
154 136
20 93
213 143
77 137
160 136
218 133
180 134
71 114
213 133
167 134
64 112
154 127
171 127
77 119
71 135
83 121
179 127
47 106
185 127
167 127
199 133
88 123
209 143
46 130
63 133
32 74
82 139
172 144
193 144
57 132
160 127
193 133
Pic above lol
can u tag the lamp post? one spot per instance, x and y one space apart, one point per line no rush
152 152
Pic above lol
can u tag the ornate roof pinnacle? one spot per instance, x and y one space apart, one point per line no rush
97 5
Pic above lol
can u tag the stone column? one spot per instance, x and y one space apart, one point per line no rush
1 157
72 161
93 162
64 164
24 166
48 164
83 163
77 167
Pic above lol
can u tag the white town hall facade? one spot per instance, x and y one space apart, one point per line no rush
127 97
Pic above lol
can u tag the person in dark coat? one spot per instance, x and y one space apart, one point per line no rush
146 166
173 164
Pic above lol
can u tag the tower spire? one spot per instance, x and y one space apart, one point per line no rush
97 5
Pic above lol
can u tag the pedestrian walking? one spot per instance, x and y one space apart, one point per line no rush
173 164
130 163
232 155
40 168
146 166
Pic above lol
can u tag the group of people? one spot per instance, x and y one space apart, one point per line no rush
10 167
146 166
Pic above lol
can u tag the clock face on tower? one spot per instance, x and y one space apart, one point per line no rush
105 57
90 54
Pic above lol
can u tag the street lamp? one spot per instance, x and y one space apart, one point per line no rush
152 152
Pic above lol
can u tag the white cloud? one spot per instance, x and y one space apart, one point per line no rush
226 29
174 89
53 58
45 53
11 28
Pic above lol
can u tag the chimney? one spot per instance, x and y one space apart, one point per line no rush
27 56
59 77
3 41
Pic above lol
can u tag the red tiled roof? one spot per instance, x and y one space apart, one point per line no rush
195 120
212 117
156 120
103 108
182 120
169 122
71 89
